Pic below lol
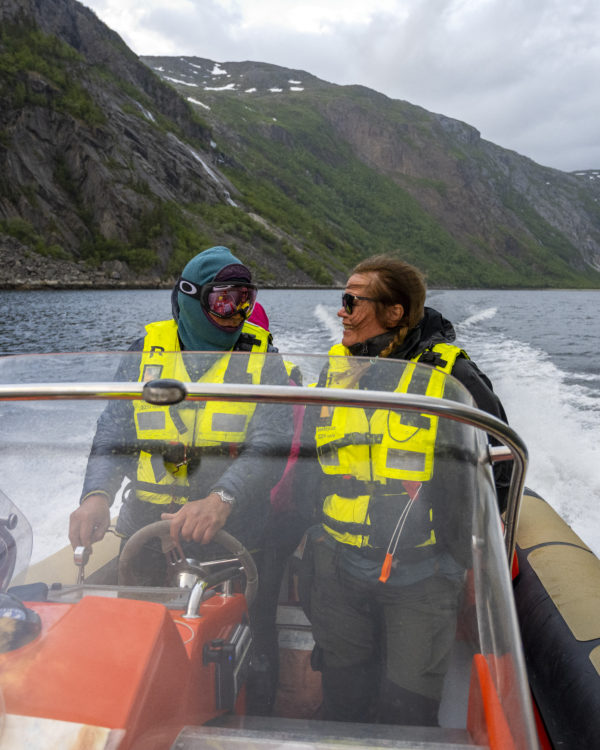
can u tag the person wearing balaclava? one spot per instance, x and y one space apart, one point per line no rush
207 487
200 328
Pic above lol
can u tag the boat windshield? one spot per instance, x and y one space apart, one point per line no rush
379 459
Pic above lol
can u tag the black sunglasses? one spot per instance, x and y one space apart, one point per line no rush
349 300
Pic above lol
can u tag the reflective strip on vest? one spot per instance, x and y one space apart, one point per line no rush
385 447
178 429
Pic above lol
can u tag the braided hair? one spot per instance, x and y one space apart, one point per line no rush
392 282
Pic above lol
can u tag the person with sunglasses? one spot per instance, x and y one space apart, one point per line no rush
383 623
198 480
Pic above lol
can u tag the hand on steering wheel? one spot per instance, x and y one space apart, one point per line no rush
198 520
162 530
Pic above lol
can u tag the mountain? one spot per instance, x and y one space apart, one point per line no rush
106 173
114 170
380 174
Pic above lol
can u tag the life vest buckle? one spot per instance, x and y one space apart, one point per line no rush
175 453
432 358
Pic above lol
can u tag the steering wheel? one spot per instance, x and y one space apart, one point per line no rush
162 531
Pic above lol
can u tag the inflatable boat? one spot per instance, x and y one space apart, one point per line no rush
557 595
94 656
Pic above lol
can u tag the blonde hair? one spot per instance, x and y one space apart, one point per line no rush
393 281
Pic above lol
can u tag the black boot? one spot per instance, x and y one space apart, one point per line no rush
400 706
349 692
260 686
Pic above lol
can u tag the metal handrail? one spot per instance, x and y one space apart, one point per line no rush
286 394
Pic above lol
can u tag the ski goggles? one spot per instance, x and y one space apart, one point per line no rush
349 300
222 300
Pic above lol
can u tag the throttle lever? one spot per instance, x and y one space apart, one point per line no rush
80 557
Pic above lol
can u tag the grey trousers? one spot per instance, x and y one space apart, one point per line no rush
378 634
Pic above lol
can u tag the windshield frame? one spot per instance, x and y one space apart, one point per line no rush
165 392
513 447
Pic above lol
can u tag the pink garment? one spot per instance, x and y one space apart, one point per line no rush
281 494
259 317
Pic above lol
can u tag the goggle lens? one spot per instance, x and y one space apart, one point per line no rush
226 301
222 300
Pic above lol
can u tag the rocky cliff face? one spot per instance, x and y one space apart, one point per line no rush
489 198
100 161
485 187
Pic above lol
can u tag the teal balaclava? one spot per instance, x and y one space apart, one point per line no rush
197 331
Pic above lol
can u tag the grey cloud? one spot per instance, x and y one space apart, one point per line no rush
193 28
522 72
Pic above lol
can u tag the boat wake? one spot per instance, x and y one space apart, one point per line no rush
556 417
478 317
330 322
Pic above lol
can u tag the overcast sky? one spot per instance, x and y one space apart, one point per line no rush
525 73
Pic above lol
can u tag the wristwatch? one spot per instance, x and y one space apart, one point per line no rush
225 496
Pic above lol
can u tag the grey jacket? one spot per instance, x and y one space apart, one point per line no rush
249 476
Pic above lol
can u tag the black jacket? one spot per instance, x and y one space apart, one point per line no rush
435 329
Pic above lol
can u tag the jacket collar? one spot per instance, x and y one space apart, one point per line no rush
432 329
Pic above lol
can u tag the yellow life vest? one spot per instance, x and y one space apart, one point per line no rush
168 435
386 453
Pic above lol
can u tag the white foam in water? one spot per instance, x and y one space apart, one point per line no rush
558 421
591 377
487 314
54 445
331 322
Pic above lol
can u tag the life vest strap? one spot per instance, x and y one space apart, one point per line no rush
174 490
352 527
175 452
180 425
352 438
377 554
171 450
351 487
342 527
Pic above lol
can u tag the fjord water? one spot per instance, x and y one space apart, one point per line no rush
539 348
